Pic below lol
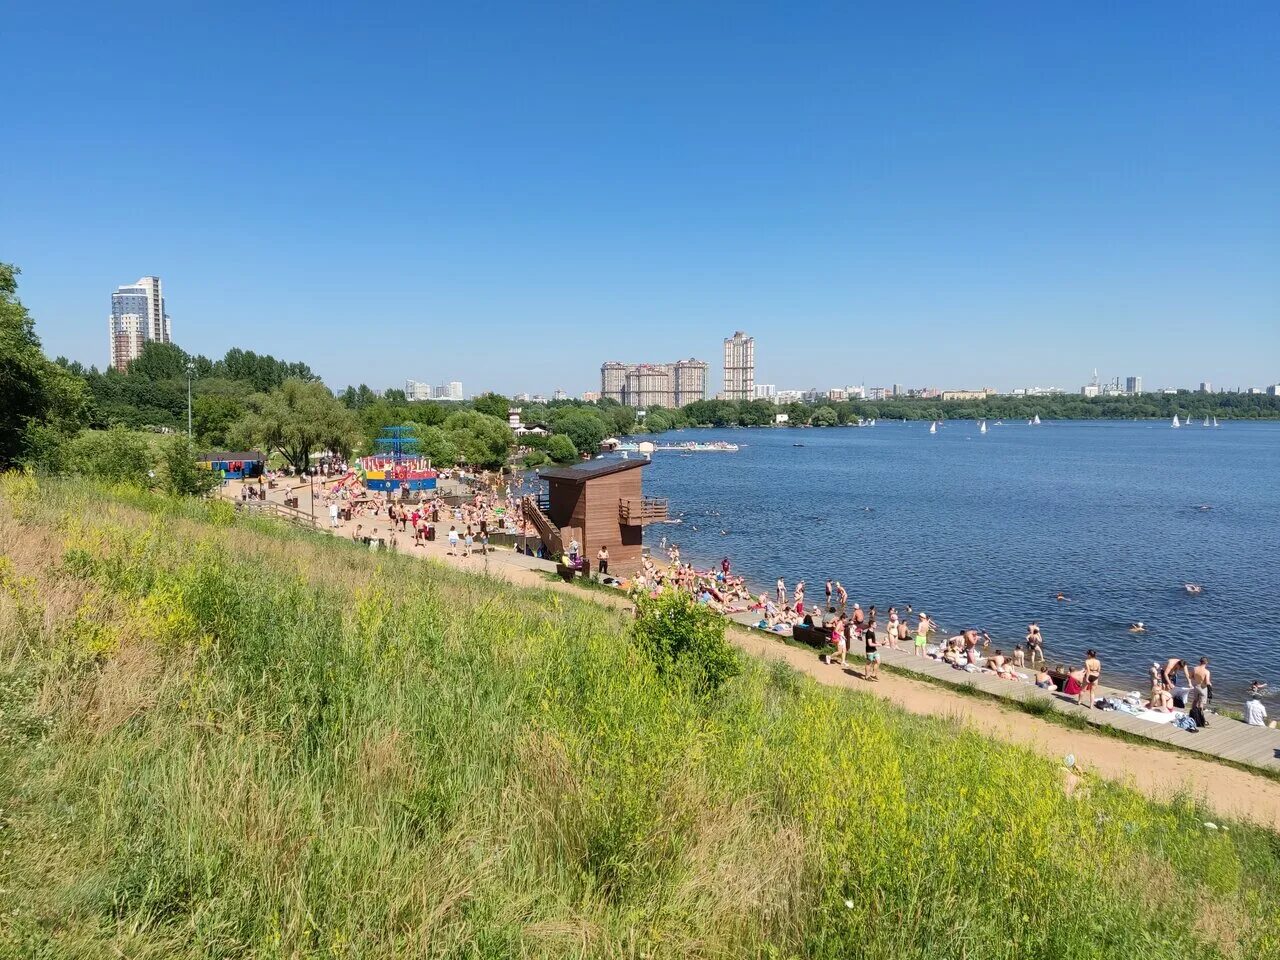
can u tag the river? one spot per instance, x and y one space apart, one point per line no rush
986 530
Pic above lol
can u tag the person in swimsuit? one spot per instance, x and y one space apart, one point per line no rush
1035 644
922 633
1203 682
782 592
903 633
1092 672
891 628
842 595
838 635
1170 672
829 607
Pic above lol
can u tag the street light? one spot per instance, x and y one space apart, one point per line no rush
191 370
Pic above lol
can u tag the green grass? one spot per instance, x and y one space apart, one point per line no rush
230 739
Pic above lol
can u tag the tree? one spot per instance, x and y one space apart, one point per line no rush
179 473
561 449
298 419
213 416
492 404
482 441
159 361
584 427
437 446
824 417
33 390
393 395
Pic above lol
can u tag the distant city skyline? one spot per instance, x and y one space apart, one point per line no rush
1010 197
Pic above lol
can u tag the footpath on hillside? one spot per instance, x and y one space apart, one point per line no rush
1158 773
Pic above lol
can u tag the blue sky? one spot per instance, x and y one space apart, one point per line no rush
509 194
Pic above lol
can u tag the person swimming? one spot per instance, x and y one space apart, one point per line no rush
1193 588
1138 627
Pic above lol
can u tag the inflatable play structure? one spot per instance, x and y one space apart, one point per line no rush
396 464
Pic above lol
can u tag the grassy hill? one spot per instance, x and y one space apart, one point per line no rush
220 738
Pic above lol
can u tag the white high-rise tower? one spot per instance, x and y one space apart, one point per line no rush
137 316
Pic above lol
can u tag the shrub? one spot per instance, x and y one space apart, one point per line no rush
179 473
685 639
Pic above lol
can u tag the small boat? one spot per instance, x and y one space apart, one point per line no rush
1176 422
1035 421
982 427
1206 421
1215 421
933 427
797 444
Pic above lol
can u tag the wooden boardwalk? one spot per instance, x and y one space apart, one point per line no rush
1224 738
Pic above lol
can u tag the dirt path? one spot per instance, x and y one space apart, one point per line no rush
1159 774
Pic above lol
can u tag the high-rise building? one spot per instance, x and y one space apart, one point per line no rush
875 393
898 390
449 391
590 396
1206 386
137 317
766 391
688 381
654 384
1133 385
416 390
739 367
559 395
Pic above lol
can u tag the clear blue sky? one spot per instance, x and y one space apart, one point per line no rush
509 194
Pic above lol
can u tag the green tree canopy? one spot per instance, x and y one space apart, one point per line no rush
561 449
298 419
492 404
33 390
584 426
482 441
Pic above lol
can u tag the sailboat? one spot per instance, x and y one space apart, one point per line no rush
1215 421
982 427
933 427
1206 421
1035 421
1176 421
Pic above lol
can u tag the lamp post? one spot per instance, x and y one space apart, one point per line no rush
191 369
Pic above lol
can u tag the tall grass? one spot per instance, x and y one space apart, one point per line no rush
231 740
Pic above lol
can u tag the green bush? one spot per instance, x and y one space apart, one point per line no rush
685 639
179 474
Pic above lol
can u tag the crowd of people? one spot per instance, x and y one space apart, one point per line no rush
1175 685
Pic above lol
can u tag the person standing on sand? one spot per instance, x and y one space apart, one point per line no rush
1092 673
333 515
872 672
922 633
839 638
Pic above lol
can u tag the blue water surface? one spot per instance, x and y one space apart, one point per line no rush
985 530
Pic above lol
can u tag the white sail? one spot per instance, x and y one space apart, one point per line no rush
982 427
1176 421
933 427
1215 421
1036 419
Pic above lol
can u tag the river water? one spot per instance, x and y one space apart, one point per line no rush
985 530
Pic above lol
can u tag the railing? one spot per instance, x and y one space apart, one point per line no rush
279 511
638 511
548 532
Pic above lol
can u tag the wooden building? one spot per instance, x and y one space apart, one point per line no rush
598 503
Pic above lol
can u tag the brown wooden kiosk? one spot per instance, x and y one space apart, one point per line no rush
598 503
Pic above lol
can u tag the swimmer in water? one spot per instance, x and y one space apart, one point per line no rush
1138 627
1192 588
1061 596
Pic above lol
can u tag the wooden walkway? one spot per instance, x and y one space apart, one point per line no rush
1224 738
